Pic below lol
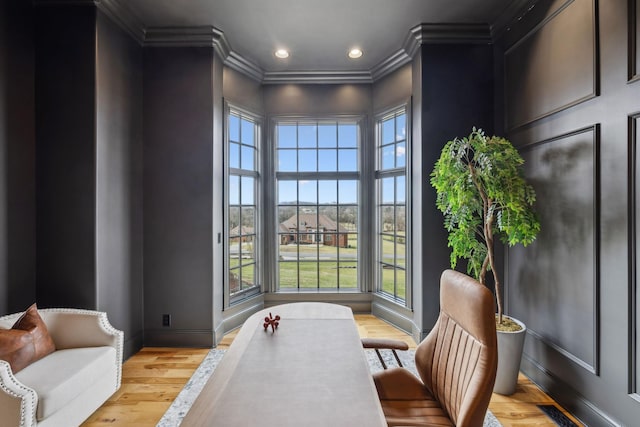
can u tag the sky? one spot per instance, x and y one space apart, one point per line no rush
316 147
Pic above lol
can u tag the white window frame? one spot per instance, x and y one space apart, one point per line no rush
378 175
258 242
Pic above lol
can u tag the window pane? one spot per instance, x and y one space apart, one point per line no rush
287 192
388 131
248 275
286 136
247 132
307 136
327 135
387 219
308 274
401 158
307 161
234 155
348 192
388 190
287 160
388 279
400 189
327 161
329 250
401 126
234 190
348 275
328 218
234 128
400 220
288 274
247 220
234 280
401 283
388 156
328 192
234 221
348 219
248 190
348 135
308 192
400 251
248 158
347 160
328 275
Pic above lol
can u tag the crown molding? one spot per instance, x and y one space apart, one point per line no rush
317 77
431 33
124 17
243 65
449 33
203 36
392 63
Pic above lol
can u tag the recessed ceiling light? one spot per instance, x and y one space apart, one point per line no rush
282 53
355 53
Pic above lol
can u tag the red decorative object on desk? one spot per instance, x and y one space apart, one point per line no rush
271 321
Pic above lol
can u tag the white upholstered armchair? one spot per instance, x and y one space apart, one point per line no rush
65 387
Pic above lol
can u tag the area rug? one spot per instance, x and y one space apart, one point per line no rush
179 408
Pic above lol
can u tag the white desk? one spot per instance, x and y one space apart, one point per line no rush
312 371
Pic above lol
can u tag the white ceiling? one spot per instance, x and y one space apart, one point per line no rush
318 33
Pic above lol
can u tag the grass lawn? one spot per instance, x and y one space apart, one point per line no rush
327 267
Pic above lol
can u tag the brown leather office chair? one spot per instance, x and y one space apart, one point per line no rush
457 363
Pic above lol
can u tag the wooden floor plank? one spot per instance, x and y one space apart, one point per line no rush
153 377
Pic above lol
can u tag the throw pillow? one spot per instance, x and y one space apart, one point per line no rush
16 347
27 341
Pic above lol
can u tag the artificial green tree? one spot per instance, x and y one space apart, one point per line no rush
483 194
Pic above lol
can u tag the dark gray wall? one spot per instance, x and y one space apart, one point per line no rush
242 91
178 194
119 180
572 108
17 157
455 84
317 99
65 81
393 89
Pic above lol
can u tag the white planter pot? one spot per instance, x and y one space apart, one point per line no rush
510 345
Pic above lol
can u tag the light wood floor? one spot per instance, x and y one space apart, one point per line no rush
152 378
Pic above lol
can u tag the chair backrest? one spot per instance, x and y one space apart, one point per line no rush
457 361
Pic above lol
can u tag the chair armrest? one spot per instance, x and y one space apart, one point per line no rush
384 343
17 402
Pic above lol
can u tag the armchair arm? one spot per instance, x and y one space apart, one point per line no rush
17 402
385 344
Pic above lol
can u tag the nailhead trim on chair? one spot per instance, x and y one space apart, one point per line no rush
27 391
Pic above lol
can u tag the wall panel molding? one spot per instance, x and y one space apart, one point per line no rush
634 222
633 13
531 272
543 77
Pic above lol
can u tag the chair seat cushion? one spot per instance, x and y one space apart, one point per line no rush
65 374
406 401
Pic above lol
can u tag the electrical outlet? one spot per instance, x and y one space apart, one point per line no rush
166 320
